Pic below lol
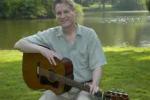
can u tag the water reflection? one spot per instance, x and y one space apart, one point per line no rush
121 29
123 20
114 29
13 30
118 19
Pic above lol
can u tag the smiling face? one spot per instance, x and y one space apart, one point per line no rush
65 15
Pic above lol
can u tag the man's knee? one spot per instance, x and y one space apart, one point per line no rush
48 95
84 96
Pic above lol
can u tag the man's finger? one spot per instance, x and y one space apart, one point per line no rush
53 61
49 59
95 90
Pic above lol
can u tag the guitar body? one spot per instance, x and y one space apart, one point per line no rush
33 62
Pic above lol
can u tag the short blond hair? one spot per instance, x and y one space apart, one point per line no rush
71 3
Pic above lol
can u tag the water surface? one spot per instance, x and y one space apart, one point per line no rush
113 28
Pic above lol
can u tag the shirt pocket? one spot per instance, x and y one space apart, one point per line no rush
82 57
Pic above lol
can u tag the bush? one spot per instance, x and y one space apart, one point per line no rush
80 13
128 5
25 8
29 9
148 4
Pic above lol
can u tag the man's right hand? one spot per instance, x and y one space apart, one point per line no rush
49 54
28 47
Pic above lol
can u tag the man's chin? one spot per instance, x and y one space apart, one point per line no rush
65 25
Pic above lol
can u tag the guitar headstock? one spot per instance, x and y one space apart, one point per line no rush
115 95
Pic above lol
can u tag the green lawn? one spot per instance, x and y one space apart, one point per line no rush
128 69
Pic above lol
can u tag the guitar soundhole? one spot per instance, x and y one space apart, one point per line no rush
45 81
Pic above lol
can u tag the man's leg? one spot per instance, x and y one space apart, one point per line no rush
83 95
72 94
48 95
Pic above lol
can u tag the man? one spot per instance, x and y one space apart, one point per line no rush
71 40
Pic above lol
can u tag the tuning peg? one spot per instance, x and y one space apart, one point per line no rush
118 90
113 89
121 90
115 94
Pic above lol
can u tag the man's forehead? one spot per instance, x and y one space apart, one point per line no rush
62 6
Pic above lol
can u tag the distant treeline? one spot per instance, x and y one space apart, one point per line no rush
42 8
25 8
116 4
29 9
148 4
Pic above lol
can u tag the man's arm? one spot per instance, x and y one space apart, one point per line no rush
27 47
97 74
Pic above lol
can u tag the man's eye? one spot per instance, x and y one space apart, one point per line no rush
66 12
58 13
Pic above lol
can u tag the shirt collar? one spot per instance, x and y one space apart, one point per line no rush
78 30
60 31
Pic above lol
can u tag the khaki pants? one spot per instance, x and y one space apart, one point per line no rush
73 94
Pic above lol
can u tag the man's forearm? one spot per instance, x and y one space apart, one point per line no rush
97 74
94 86
27 47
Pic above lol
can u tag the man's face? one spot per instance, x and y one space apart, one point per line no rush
65 15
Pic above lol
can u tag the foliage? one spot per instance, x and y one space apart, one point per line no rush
25 8
129 4
83 2
80 14
116 4
28 9
148 4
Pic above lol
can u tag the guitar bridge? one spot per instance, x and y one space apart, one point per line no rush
45 80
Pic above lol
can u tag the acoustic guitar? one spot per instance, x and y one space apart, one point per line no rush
38 73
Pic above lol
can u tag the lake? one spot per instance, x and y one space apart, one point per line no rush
116 28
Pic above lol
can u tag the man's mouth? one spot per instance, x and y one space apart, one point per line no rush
63 21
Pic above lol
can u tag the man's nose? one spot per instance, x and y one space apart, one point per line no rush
62 15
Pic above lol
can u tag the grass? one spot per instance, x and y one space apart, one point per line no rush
128 69
12 86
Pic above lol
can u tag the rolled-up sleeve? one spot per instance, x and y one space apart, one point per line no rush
40 38
96 54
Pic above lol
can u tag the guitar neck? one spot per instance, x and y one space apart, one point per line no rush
51 76
73 83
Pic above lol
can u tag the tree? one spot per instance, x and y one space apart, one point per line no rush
148 4
25 8
129 4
